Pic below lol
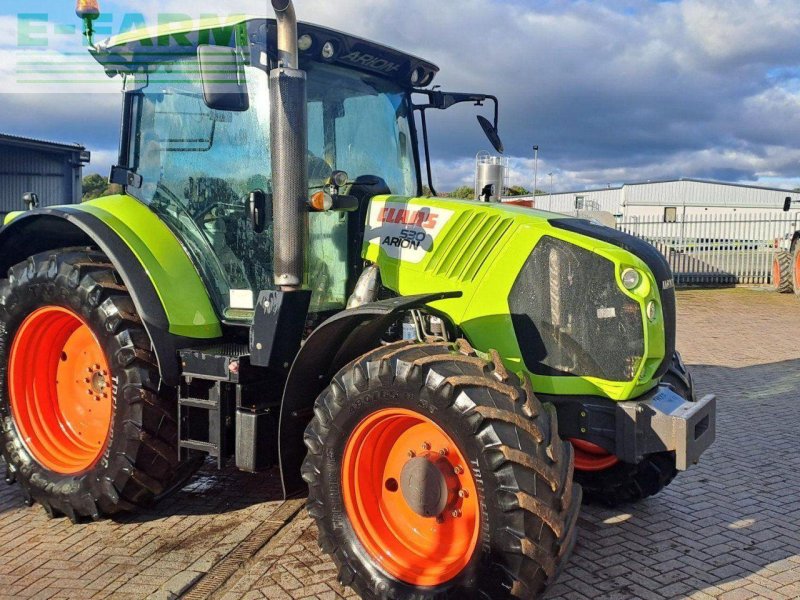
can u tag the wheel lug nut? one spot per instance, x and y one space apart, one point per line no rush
463 494
443 452
459 470
411 454
456 513
426 446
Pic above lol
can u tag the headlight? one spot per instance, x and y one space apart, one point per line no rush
631 278
304 42
339 178
328 50
652 310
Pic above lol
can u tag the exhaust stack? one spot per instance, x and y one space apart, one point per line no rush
289 147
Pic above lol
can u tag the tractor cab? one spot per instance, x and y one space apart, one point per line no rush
196 146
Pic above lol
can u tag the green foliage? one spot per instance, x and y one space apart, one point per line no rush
426 192
466 192
518 190
97 186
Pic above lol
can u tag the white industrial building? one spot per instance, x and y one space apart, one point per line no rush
670 200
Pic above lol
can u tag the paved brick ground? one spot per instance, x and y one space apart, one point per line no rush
729 528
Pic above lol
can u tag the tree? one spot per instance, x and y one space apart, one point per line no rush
426 192
466 192
97 186
518 190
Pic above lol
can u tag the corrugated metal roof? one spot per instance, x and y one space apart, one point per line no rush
25 141
674 192
656 181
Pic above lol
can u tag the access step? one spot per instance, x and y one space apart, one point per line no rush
227 407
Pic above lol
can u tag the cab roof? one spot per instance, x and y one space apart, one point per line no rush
140 49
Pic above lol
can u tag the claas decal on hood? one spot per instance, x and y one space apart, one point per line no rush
405 231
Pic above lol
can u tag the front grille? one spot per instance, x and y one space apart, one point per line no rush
571 318
654 261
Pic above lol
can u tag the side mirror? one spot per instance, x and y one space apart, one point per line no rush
259 206
787 204
31 200
222 74
491 133
487 192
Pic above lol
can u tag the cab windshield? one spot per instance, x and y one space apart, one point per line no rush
199 165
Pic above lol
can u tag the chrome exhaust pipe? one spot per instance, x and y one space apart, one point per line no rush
287 33
289 147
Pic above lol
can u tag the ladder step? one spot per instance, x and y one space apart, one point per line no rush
210 449
199 403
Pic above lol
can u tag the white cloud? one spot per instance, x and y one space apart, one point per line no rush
741 31
615 91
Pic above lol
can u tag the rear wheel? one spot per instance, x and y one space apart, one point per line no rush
435 474
606 480
84 428
782 272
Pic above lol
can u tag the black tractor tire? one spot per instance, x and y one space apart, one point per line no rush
625 483
140 461
528 504
781 272
794 268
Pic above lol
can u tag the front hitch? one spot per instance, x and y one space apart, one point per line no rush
666 422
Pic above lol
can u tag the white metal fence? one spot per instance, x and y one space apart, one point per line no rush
717 249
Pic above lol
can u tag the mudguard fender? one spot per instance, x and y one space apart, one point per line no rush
338 341
59 227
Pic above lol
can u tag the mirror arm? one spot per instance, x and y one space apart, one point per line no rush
444 100
496 111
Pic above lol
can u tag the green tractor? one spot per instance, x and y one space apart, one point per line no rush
441 377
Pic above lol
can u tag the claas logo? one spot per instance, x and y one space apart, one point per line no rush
421 218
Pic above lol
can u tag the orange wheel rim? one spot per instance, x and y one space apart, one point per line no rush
416 549
797 268
776 272
59 387
591 457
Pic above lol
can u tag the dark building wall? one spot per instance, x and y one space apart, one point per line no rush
54 174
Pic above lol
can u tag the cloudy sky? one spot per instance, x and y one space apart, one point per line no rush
611 92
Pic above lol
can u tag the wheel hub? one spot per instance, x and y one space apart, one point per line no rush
98 381
429 485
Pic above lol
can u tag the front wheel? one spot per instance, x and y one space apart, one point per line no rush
436 474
